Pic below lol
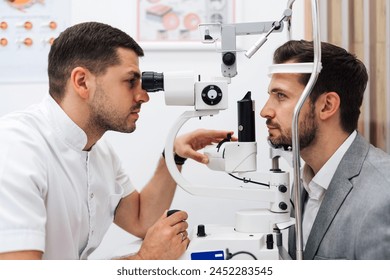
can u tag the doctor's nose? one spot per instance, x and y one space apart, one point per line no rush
142 95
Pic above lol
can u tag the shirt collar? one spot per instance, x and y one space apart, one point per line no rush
316 184
67 130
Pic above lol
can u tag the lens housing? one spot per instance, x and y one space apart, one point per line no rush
152 81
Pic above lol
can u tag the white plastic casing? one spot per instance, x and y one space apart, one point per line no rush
179 88
305 67
258 220
199 102
232 157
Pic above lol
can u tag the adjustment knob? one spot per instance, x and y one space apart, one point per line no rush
270 241
201 231
283 206
172 211
229 58
282 188
211 95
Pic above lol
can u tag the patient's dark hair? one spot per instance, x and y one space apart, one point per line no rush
341 72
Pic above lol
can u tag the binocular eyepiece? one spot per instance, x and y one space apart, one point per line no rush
152 81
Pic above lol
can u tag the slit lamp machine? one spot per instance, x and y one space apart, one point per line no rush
256 233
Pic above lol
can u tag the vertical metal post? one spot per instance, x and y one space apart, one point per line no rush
345 10
388 74
295 134
290 4
323 7
367 61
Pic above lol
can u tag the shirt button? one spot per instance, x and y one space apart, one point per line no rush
91 195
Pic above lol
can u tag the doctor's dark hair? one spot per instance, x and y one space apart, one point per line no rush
341 72
91 45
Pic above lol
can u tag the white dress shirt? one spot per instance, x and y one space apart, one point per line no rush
55 197
317 185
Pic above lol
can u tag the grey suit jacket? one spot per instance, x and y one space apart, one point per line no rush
353 221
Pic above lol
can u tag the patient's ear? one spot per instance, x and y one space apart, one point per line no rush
328 105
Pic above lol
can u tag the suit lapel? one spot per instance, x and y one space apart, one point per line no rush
333 199
338 190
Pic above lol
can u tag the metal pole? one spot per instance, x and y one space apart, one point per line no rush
388 72
295 135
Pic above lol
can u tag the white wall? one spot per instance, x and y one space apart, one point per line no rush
141 149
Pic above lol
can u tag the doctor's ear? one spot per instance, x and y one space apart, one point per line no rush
329 104
82 81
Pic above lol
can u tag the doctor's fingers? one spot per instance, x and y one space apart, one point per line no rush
176 217
180 227
182 236
199 157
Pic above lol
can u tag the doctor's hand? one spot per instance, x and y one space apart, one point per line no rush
188 144
167 239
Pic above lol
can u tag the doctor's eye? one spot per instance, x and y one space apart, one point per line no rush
133 82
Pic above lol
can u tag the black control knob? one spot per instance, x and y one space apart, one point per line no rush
283 206
172 211
270 241
201 231
282 188
229 58
211 95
